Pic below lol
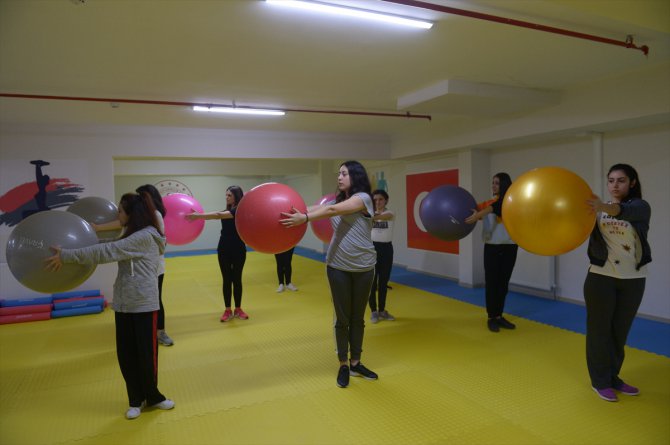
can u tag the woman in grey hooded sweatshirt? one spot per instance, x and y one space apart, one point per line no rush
135 300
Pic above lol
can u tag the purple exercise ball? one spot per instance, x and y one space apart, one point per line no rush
443 212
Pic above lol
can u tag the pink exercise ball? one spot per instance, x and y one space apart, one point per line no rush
179 230
258 215
322 228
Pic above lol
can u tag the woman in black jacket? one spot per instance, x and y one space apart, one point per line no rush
618 251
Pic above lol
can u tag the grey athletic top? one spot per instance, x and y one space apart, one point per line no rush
136 285
351 247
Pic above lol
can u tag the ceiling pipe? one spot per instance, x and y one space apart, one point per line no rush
628 43
406 115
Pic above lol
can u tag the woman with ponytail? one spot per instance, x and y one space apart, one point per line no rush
500 252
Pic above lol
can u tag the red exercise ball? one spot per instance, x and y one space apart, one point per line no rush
322 228
258 215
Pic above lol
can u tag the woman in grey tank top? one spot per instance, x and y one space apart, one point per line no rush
350 263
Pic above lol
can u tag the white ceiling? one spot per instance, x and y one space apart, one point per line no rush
463 70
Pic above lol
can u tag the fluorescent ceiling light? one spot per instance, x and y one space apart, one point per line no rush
237 110
353 12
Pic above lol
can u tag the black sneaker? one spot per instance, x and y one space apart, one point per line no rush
493 325
505 324
343 376
362 371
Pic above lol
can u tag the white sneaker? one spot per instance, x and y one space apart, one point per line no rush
165 404
374 317
134 411
290 286
280 288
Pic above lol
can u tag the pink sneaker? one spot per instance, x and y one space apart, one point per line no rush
627 389
227 315
239 313
606 394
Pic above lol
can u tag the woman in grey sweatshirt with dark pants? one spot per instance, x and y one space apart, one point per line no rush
135 300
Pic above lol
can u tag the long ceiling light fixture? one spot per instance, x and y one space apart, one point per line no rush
239 110
353 12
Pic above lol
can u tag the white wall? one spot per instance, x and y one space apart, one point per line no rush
647 148
648 151
250 159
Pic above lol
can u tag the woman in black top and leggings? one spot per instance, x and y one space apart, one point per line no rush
232 253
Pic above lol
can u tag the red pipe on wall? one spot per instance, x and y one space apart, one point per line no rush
407 115
628 43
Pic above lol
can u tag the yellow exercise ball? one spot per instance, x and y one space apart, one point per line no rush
545 211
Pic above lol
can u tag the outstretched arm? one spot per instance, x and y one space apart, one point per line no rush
478 214
112 225
597 205
351 205
222 214
385 215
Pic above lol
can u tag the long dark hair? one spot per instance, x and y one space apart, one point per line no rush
358 177
504 183
635 189
237 192
155 196
141 212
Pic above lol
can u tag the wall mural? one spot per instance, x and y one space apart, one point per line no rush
20 197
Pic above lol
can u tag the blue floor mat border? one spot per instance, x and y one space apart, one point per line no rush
648 335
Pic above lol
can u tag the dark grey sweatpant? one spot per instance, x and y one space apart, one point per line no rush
611 306
350 292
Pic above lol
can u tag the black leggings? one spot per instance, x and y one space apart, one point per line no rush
382 276
499 260
284 268
611 306
231 271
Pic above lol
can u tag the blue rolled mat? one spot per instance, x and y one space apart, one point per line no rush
27 301
97 301
76 293
76 311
